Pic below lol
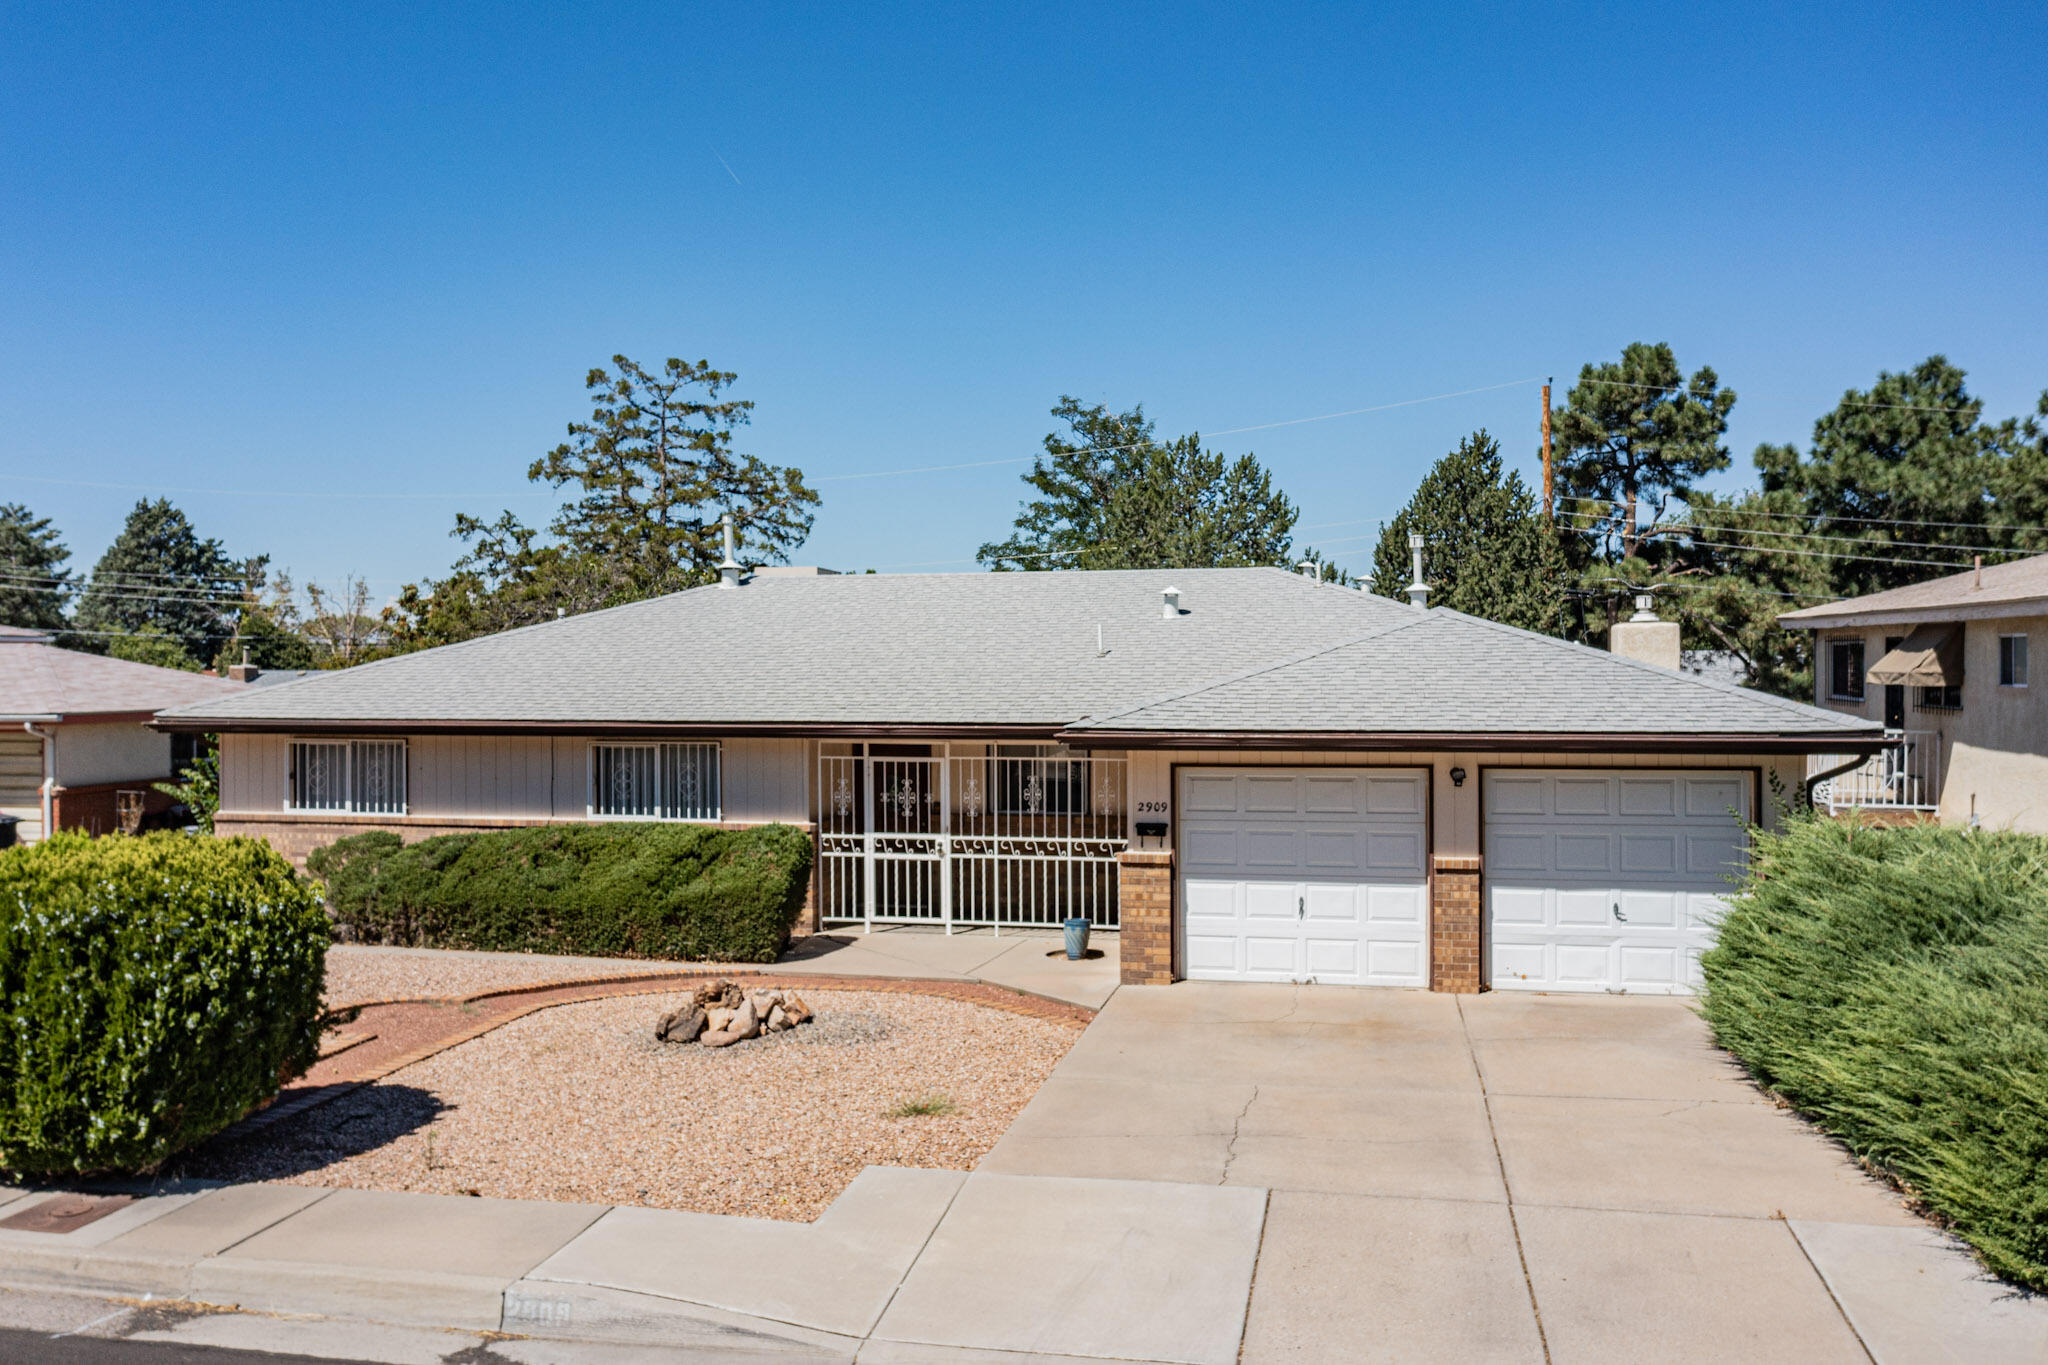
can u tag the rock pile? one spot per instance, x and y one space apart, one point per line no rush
723 1012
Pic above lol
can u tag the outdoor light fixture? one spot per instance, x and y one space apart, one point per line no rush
1457 777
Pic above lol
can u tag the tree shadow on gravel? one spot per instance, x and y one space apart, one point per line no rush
360 1121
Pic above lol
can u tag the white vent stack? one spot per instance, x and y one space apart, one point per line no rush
1309 569
1644 637
729 571
1169 603
1418 591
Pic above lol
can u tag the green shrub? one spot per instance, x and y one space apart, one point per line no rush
653 890
1893 985
153 991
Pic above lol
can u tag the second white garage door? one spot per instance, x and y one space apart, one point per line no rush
1608 880
1300 874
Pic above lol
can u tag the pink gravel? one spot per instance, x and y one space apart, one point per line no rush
357 974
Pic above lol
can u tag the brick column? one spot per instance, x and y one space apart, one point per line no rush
1145 915
1454 926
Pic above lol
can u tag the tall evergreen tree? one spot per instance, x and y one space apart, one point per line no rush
1634 437
34 585
1489 553
160 581
1114 496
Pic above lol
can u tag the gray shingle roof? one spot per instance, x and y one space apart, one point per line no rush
2008 588
1442 672
970 650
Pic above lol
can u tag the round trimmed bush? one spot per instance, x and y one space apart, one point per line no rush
153 991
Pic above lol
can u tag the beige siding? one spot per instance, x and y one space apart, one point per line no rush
252 774
1454 810
489 777
21 782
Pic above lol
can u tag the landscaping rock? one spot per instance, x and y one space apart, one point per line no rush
793 1005
721 1013
718 1038
746 1023
778 1019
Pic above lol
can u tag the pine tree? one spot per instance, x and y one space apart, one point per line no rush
160 581
34 585
1488 552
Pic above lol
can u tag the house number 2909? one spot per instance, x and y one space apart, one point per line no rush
1148 807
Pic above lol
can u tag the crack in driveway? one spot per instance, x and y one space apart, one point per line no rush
1236 1128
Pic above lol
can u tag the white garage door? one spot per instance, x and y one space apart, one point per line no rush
1608 881
1305 874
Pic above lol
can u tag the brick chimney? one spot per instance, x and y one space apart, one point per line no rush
244 671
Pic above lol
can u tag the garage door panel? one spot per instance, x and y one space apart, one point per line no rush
1559 920
1209 845
1265 795
1517 852
1269 849
1394 795
1581 853
1396 904
1199 793
1656 797
1305 874
1653 855
1582 796
1332 796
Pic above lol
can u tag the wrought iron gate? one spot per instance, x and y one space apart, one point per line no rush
1020 835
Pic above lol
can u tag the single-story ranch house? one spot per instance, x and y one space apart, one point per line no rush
1255 776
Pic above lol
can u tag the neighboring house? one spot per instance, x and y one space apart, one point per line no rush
1255 776
1943 666
74 735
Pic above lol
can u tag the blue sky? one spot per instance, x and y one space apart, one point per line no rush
313 252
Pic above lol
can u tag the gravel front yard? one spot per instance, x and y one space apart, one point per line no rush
357 974
580 1103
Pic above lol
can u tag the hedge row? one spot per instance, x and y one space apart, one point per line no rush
1893 985
153 991
653 890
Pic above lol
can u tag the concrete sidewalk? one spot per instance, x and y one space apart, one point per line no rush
907 1265
1030 960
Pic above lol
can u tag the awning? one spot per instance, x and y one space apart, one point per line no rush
1932 656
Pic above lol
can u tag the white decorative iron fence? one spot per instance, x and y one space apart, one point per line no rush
1019 835
1904 775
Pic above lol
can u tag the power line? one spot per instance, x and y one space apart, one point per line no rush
1824 517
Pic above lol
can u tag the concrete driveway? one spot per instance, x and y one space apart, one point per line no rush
1497 1177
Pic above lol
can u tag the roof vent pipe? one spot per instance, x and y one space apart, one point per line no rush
1309 568
1169 603
1418 591
729 570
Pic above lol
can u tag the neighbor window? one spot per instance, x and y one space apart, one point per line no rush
360 776
1845 670
1941 698
654 781
2012 661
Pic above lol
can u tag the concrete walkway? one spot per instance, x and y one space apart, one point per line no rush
1031 960
1510 1177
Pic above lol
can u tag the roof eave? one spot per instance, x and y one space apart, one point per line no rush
1899 616
879 730
1859 740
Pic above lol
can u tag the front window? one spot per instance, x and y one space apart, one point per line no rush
1941 698
1040 779
2012 661
1845 670
654 781
357 776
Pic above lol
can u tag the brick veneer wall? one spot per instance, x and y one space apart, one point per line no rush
297 836
1145 938
1454 926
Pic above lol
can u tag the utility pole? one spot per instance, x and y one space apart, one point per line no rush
1549 499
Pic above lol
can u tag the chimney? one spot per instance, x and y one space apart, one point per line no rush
1418 591
244 671
1645 638
1310 569
729 571
1169 603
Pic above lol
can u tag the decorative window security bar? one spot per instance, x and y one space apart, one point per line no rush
1904 775
361 776
1022 835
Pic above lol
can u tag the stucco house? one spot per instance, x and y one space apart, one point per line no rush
1250 774
74 733
1943 666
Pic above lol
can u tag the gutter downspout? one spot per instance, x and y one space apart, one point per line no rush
49 774
1851 766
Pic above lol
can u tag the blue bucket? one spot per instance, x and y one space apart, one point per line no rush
1077 939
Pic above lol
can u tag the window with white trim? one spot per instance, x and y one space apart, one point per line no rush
357 776
2012 661
654 781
